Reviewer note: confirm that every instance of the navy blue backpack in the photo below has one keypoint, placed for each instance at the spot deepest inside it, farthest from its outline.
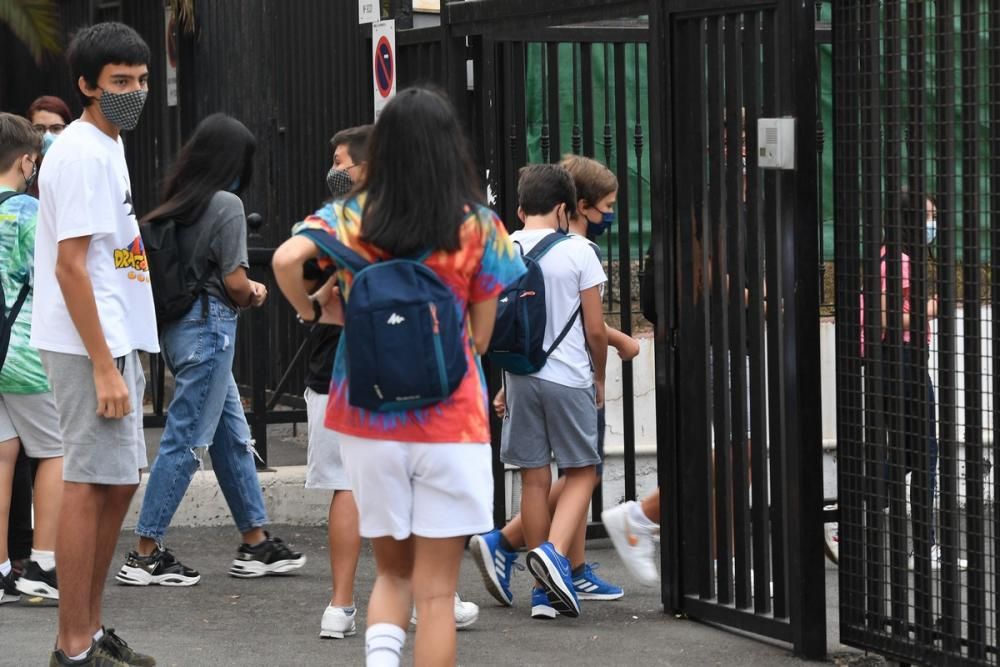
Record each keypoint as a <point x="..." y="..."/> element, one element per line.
<point x="404" y="335"/>
<point x="518" y="343"/>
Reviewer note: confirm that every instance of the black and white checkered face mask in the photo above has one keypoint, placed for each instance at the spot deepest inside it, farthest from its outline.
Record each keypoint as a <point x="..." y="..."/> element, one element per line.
<point x="123" y="109"/>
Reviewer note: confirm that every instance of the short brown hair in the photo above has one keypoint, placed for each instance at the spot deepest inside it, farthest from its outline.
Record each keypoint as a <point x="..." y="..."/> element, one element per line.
<point x="593" y="180"/>
<point x="356" y="140"/>
<point x="17" y="138"/>
<point x="51" y="104"/>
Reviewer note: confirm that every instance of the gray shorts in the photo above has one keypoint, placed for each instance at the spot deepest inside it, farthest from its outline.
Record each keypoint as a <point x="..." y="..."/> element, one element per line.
<point x="546" y="420"/>
<point x="97" y="450"/>
<point x="324" y="465"/>
<point x="31" y="418"/>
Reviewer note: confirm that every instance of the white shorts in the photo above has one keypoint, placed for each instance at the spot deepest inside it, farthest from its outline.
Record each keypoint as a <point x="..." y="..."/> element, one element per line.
<point x="324" y="467"/>
<point x="431" y="490"/>
<point x="32" y="418"/>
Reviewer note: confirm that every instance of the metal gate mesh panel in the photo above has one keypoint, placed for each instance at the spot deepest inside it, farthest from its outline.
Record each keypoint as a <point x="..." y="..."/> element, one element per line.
<point x="917" y="134"/>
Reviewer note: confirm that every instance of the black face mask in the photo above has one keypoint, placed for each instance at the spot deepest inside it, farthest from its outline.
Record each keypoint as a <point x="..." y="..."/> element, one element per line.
<point x="339" y="182"/>
<point x="30" y="180"/>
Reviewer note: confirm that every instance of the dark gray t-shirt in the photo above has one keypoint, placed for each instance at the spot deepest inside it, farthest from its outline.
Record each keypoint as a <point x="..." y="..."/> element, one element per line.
<point x="216" y="243"/>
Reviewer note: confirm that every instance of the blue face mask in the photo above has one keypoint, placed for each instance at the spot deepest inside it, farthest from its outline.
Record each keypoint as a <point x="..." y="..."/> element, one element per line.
<point x="47" y="140"/>
<point x="595" y="229"/>
<point x="931" y="230"/>
<point x="235" y="185"/>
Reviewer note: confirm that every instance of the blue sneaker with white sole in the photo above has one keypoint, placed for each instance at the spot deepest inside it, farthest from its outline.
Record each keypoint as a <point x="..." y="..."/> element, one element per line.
<point x="553" y="572"/>
<point x="540" y="607"/>
<point x="589" y="586"/>
<point x="495" y="564"/>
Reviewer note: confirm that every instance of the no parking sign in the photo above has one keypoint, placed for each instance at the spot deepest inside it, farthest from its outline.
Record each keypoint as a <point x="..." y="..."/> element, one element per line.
<point x="383" y="63"/>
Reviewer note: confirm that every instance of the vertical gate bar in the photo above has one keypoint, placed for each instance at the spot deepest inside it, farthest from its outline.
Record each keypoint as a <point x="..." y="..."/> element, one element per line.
<point x="587" y="96"/>
<point x="638" y="144"/>
<point x="551" y="52"/>
<point x="624" y="261"/>
<point x="775" y="335"/>
<point x="972" y="339"/>
<point x="544" y="141"/>
<point x="664" y="223"/>
<point x="993" y="217"/>
<point x="921" y="495"/>
<point x="948" y="526"/>
<point x="874" y="450"/>
<point x="508" y="195"/>
<point x="847" y="271"/>
<point x="577" y="136"/>
<point x="609" y="156"/>
<point x="736" y="217"/>
<point x="893" y="340"/>
<point x="759" y="484"/>
<point x="718" y="320"/>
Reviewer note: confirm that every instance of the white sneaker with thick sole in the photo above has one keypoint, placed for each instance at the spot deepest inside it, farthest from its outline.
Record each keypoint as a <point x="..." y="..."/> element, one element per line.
<point x="466" y="613"/>
<point x="635" y="544"/>
<point x="337" y="623"/>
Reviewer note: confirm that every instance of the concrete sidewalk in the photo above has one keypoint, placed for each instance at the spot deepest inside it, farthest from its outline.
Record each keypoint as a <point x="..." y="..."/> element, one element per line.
<point x="275" y="620"/>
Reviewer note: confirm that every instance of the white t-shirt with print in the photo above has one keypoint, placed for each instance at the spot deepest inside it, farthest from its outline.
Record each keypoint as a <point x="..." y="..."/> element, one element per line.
<point x="569" y="267"/>
<point x="84" y="190"/>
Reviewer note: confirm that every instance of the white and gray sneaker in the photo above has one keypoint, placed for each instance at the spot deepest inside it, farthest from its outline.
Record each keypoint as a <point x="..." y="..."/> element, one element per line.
<point x="635" y="543"/>
<point x="338" y="622"/>
<point x="272" y="556"/>
<point x="466" y="613"/>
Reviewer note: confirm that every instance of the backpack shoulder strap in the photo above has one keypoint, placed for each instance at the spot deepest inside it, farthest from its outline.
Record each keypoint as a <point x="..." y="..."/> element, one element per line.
<point x="10" y="194"/>
<point x="545" y="244"/>
<point x="337" y="250"/>
<point x="565" y="331"/>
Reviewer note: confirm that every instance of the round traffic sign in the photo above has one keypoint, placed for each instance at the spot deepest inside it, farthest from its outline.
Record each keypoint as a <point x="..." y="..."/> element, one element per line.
<point x="385" y="67"/>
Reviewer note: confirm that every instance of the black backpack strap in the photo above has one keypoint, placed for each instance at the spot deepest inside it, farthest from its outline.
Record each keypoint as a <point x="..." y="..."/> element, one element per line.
<point x="9" y="318"/>
<point x="545" y="244"/>
<point x="4" y="196"/>
<point x="562" y="334"/>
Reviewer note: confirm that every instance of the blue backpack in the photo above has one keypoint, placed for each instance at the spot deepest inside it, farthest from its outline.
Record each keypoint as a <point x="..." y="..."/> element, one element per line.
<point x="404" y="335"/>
<point x="518" y="343"/>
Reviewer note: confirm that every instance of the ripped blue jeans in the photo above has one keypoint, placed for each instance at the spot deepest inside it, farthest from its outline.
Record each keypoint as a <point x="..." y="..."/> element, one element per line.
<point x="205" y="413"/>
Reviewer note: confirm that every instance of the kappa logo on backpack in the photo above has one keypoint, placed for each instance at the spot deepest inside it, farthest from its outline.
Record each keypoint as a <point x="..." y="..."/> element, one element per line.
<point x="404" y="334"/>
<point x="9" y="316"/>
<point x="172" y="296"/>
<point x="518" y="343"/>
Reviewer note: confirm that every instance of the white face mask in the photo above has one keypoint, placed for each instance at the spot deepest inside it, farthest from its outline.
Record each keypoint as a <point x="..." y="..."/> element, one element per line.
<point x="931" y="230"/>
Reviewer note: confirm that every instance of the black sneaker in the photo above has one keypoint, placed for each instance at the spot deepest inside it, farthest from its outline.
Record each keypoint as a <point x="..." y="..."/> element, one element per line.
<point x="160" y="567"/>
<point x="36" y="582"/>
<point x="272" y="556"/>
<point x="115" y="646"/>
<point x="97" y="656"/>
<point x="8" y="590"/>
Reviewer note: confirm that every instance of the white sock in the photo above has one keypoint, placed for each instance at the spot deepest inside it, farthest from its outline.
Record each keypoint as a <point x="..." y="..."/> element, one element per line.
<point x="639" y="519"/>
<point x="383" y="645"/>
<point x="5" y="568"/>
<point x="99" y="634"/>
<point x="77" y="658"/>
<point x="45" y="559"/>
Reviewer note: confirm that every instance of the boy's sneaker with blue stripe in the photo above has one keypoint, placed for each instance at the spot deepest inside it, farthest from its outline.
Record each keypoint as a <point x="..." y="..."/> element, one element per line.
<point x="553" y="572"/>
<point x="495" y="564"/>
<point x="540" y="607"/>
<point x="589" y="586"/>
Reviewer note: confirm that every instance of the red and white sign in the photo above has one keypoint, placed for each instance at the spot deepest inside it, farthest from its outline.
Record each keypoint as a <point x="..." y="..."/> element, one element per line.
<point x="383" y="63"/>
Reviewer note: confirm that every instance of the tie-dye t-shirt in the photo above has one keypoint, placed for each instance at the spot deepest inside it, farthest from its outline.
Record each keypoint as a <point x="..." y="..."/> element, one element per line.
<point x="22" y="371"/>
<point x="486" y="263"/>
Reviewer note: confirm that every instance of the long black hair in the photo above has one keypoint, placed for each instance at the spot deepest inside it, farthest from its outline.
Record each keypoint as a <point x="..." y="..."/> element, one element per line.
<point x="218" y="154"/>
<point x="420" y="176"/>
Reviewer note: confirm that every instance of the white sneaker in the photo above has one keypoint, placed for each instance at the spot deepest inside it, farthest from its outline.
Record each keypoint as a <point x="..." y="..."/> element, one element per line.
<point x="635" y="544"/>
<point x="337" y="623"/>
<point x="937" y="559"/>
<point x="466" y="613"/>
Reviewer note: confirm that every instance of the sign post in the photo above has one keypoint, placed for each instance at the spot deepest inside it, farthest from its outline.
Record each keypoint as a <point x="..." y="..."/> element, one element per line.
<point x="383" y="63"/>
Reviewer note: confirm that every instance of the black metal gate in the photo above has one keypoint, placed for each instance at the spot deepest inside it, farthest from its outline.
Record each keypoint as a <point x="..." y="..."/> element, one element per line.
<point x="918" y="337"/>
<point x="745" y="457"/>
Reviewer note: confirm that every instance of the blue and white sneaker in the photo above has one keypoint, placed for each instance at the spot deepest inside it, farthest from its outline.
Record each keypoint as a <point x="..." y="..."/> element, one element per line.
<point x="495" y="564"/>
<point x="552" y="571"/>
<point x="540" y="607"/>
<point x="589" y="586"/>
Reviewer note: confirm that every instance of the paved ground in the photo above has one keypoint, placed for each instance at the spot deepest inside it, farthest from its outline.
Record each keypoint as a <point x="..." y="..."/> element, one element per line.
<point x="275" y="621"/>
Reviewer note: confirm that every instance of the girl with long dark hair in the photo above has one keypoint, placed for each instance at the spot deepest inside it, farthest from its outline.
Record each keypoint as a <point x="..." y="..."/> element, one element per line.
<point x="201" y="197"/>
<point x="422" y="478"/>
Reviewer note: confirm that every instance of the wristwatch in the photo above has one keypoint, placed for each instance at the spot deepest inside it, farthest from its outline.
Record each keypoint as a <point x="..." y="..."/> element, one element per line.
<point x="317" y="313"/>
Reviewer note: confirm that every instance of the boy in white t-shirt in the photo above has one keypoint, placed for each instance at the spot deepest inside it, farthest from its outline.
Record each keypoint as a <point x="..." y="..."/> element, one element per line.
<point x="93" y="314"/>
<point x="553" y="413"/>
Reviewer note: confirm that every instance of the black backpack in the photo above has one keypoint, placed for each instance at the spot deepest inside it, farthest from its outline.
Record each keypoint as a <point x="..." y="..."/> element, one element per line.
<point x="172" y="296"/>
<point x="9" y="316"/>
